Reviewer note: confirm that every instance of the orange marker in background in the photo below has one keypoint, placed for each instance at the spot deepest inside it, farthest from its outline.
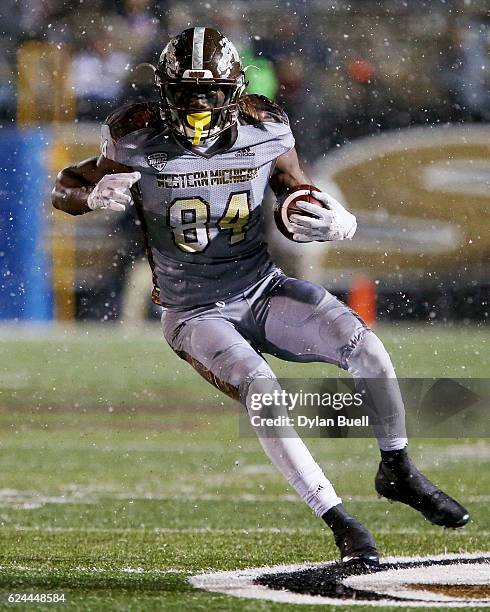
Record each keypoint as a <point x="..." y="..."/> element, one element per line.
<point x="362" y="298"/>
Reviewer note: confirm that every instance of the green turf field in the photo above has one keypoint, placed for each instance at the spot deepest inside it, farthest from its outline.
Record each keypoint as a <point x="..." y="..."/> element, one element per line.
<point x="122" y="473"/>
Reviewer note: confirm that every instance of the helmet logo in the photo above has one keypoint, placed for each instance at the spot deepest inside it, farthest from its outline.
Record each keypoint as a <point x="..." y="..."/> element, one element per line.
<point x="228" y="54"/>
<point x="169" y="56"/>
<point x="198" y="121"/>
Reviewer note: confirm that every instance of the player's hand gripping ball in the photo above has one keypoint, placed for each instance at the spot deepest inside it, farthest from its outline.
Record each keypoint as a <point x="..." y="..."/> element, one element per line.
<point x="307" y="214"/>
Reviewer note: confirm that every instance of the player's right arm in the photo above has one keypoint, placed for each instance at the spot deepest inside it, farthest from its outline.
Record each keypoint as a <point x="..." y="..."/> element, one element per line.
<point x="104" y="182"/>
<point x="93" y="184"/>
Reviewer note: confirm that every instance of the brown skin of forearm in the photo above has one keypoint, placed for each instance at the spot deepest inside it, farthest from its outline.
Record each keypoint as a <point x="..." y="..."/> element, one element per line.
<point x="287" y="173"/>
<point x="74" y="183"/>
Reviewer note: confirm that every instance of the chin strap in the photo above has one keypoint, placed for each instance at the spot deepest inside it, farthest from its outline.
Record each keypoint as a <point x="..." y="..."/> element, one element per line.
<point x="198" y="121"/>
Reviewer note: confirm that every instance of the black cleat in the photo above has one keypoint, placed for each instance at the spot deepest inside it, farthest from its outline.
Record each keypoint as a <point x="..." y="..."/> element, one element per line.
<point x="356" y="544"/>
<point x="399" y="480"/>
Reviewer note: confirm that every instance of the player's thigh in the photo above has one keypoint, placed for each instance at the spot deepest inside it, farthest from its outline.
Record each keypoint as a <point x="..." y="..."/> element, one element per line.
<point x="217" y="351"/>
<point x="307" y="323"/>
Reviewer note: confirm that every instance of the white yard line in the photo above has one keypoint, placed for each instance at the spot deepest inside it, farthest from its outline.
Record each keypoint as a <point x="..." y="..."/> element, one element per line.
<point x="176" y="530"/>
<point x="165" y="447"/>
<point x="100" y="570"/>
<point x="226" y="531"/>
<point x="32" y="500"/>
<point x="17" y="379"/>
<point x="94" y="494"/>
<point x="432" y="456"/>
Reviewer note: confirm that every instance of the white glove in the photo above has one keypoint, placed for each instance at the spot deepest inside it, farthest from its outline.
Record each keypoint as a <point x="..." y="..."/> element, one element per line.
<point x="331" y="223"/>
<point x="112" y="191"/>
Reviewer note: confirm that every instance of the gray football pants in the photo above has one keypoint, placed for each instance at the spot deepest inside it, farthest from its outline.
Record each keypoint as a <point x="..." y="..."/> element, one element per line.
<point x="294" y="320"/>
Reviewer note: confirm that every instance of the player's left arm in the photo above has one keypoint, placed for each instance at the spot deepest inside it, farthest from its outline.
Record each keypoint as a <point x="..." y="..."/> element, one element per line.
<point x="333" y="222"/>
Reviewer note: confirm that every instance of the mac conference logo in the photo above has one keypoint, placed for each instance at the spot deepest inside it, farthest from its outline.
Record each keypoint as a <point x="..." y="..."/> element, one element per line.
<point x="158" y="161"/>
<point x="445" y="581"/>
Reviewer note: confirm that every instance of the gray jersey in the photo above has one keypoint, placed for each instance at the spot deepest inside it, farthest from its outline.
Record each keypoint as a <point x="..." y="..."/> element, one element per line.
<point x="201" y="211"/>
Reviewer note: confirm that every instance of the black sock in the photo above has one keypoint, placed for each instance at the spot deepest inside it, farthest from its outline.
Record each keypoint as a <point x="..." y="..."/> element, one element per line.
<point x="395" y="456"/>
<point x="337" y="517"/>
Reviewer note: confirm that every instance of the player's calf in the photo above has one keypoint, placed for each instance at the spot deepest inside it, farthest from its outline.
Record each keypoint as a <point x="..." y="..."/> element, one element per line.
<point x="399" y="480"/>
<point x="370" y="364"/>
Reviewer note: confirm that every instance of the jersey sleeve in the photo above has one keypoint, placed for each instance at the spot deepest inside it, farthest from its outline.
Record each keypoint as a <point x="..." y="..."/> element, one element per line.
<point x="264" y="113"/>
<point x="121" y="124"/>
<point x="282" y="136"/>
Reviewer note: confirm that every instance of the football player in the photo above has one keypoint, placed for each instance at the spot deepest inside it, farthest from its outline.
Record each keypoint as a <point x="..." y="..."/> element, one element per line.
<point x="196" y="165"/>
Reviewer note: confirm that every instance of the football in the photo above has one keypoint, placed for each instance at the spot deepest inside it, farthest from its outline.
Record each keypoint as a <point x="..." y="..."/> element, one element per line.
<point x="287" y="206"/>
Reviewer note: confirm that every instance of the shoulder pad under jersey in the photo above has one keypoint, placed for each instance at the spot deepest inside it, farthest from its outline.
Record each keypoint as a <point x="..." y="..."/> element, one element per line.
<point x="259" y="109"/>
<point x="132" y="117"/>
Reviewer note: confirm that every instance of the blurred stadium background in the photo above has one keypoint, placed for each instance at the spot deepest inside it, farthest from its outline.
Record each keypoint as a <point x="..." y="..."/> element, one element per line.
<point x="355" y="79"/>
<point x="106" y="463"/>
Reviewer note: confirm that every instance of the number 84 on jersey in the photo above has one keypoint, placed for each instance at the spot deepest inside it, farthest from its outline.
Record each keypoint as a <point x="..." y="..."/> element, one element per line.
<point x="190" y="221"/>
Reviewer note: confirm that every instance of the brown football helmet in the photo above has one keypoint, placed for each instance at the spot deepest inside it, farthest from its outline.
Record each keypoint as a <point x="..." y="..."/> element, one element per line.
<point x="200" y="79"/>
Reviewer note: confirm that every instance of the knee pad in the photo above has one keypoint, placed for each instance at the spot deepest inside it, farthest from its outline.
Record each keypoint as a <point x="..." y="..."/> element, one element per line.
<point x="260" y="380"/>
<point x="369" y="358"/>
